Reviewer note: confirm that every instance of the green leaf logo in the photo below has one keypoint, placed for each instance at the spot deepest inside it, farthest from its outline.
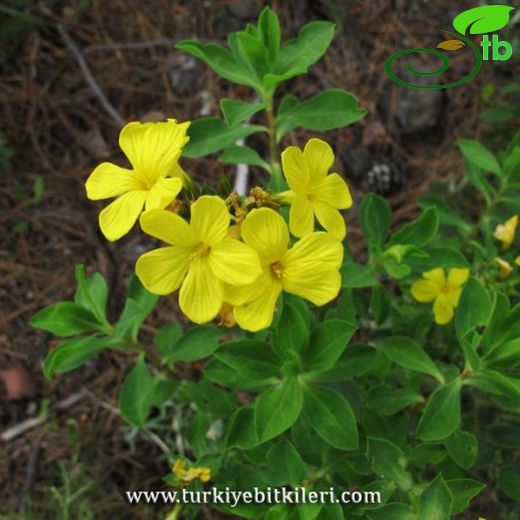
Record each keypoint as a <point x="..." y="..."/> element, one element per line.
<point x="481" y="20"/>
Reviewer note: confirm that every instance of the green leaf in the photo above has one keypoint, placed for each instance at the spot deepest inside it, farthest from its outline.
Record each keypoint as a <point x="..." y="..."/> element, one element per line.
<point x="210" y="134"/>
<point x="328" y="110"/>
<point x="236" y="112"/>
<point x="356" y="361"/>
<point x="462" y="491"/>
<point x="478" y="178"/>
<point x="250" y="358"/>
<point x="462" y="448"/>
<point x="388" y="462"/>
<point x="441" y="416"/>
<point x="477" y="154"/>
<point x="380" y="304"/>
<point x="496" y="115"/>
<point x="228" y="377"/>
<point x="420" y="231"/>
<point x="219" y="59"/>
<point x="242" y="431"/>
<point x="509" y="484"/>
<point x="269" y="32"/>
<point x="328" y="341"/>
<point x="92" y="293"/>
<point x="166" y="338"/>
<point x="65" y="319"/>
<point x="291" y="334"/>
<point x="354" y="275"/>
<point x="331" y="417"/>
<point x="505" y="356"/>
<point x="236" y="154"/>
<point x="252" y="53"/>
<point x="474" y="308"/>
<point x="484" y="19"/>
<point x="313" y="40"/>
<point x="387" y="402"/>
<point x="277" y="409"/>
<point x="197" y="343"/>
<point x="375" y="215"/>
<point x="138" y="306"/>
<point x="285" y="465"/>
<point x="495" y="383"/>
<point x="409" y="354"/>
<point x="136" y="395"/>
<point x="438" y="257"/>
<point x="436" y="501"/>
<point x="73" y="353"/>
<point x="289" y="101"/>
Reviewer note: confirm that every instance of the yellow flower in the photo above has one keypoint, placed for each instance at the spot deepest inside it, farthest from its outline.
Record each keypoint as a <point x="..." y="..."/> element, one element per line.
<point x="199" y="260"/>
<point x="310" y="269"/>
<point x="189" y="475"/>
<point x="517" y="260"/>
<point x="153" y="150"/>
<point x="313" y="192"/>
<point x="444" y="293"/>
<point x="505" y="233"/>
<point x="504" y="267"/>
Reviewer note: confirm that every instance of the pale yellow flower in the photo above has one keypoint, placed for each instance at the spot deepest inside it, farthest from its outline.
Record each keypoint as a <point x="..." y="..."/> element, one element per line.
<point x="309" y="269"/>
<point x="504" y="267"/>
<point x="314" y="193"/>
<point x="505" y="233"/>
<point x="153" y="150"/>
<point x="443" y="292"/>
<point x="199" y="259"/>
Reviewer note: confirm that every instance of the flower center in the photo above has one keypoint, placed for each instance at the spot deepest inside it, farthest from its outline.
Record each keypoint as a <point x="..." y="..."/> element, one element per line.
<point x="276" y="269"/>
<point x="445" y="289"/>
<point x="204" y="250"/>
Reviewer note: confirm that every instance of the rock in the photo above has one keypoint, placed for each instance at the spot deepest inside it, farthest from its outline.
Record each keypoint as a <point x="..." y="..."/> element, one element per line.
<point x="417" y="110"/>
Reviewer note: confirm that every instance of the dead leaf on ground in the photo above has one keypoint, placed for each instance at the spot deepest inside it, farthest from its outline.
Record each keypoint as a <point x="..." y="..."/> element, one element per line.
<point x="18" y="383"/>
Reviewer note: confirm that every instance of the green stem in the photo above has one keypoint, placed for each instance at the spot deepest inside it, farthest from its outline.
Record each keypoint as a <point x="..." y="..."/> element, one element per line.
<point x="154" y="357"/>
<point x="271" y="128"/>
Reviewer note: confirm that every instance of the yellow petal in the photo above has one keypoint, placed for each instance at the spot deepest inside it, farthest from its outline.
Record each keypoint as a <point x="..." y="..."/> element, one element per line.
<point x="319" y="157"/>
<point x="109" y="180"/>
<point x="234" y="262"/>
<point x="442" y="309"/>
<point x="154" y="148"/>
<point x="505" y="268"/>
<point x="162" y="270"/>
<point x="457" y="277"/>
<point x="454" y="296"/>
<point x="436" y="276"/>
<point x="301" y="216"/>
<point x="517" y="260"/>
<point x="200" y="297"/>
<point x="319" y="247"/>
<point x="317" y="282"/>
<point x="169" y="228"/>
<point x="506" y="232"/>
<point x="258" y="314"/>
<point x="424" y="290"/>
<point x="163" y="192"/>
<point x="334" y="192"/>
<point x="210" y="219"/>
<point x="295" y="168"/>
<point x="266" y="232"/>
<point x="119" y="216"/>
<point x="238" y="295"/>
<point x="285" y="197"/>
<point x="331" y="219"/>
